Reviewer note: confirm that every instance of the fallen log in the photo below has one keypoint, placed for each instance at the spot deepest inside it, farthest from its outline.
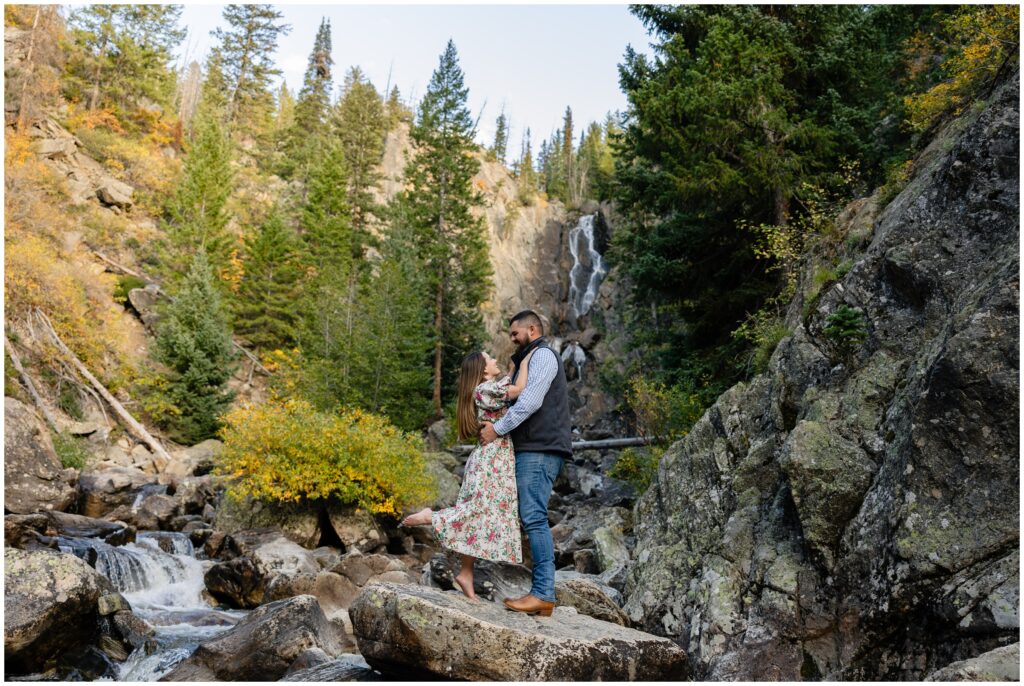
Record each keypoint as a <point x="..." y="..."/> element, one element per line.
<point x="27" y="380"/>
<point x="578" y="445"/>
<point x="160" y="456"/>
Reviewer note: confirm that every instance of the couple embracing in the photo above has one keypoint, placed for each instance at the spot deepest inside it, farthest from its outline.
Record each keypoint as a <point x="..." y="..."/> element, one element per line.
<point x="522" y="421"/>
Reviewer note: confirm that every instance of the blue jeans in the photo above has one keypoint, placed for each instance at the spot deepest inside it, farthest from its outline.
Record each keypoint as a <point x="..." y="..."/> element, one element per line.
<point x="535" y="475"/>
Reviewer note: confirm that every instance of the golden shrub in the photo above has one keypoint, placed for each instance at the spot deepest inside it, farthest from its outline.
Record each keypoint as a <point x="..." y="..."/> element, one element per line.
<point x="285" y="450"/>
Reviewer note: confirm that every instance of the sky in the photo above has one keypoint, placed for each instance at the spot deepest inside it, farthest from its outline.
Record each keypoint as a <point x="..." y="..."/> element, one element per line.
<point x="531" y="60"/>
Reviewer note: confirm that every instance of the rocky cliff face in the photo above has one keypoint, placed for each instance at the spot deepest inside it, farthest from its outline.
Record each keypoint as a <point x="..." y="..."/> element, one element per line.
<point x="534" y="250"/>
<point x="853" y="514"/>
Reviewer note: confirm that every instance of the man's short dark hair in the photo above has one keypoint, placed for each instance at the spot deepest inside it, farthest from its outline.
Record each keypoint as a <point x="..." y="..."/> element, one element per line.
<point x="528" y="317"/>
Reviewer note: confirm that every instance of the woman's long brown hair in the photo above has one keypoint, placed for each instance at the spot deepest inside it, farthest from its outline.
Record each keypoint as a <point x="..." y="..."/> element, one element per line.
<point x="470" y="375"/>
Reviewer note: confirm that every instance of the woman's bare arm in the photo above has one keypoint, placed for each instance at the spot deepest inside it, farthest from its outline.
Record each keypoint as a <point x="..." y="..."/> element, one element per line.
<point x="522" y="379"/>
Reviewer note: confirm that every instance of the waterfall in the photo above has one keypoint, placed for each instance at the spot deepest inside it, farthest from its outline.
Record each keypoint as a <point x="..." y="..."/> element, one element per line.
<point x="588" y="268"/>
<point x="161" y="578"/>
<point x="575" y="353"/>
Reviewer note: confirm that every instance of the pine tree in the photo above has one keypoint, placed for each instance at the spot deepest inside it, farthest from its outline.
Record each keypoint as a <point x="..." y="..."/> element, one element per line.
<point x="500" y="138"/>
<point x="438" y="203"/>
<point x="120" y="54"/>
<point x="310" y="124"/>
<point x="395" y="109"/>
<point x="264" y="311"/>
<point x="568" y="160"/>
<point x="213" y="101"/>
<point x="326" y="216"/>
<point x="360" y="126"/>
<point x="196" y="218"/>
<point x="247" y="49"/>
<point x="526" y="175"/>
<point x="194" y="340"/>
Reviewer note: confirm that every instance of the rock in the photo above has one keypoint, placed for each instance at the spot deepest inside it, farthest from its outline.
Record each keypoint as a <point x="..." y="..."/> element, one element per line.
<point x="828" y="475"/>
<point x="356" y="529"/>
<point x="50" y="607"/>
<point x="345" y="668"/>
<point x="359" y="568"/>
<point x="144" y="302"/>
<point x="80" y="526"/>
<point x="156" y="511"/>
<point x="262" y="645"/>
<point x="1000" y="664"/>
<point x="133" y="629"/>
<point x="196" y="460"/>
<point x="588" y="599"/>
<point x="416" y="630"/>
<point x="28" y="532"/>
<point x="239" y="583"/>
<point x="440" y="466"/>
<point x="576" y="531"/>
<point x="194" y="493"/>
<point x="585" y="561"/>
<point x="109" y="603"/>
<point x="610" y="547"/>
<point x="300" y="522"/>
<point x="492" y="581"/>
<point x="115" y="193"/>
<point x="103" y="491"/>
<point x="33" y="479"/>
<point x="314" y="657"/>
<point x="437" y="435"/>
<point x="854" y="514"/>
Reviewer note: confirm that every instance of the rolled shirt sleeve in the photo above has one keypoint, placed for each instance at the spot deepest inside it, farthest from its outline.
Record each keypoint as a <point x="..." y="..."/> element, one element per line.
<point x="542" y="370"/>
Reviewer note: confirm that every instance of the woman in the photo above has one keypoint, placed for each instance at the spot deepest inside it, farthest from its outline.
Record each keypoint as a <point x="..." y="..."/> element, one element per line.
<point x="484" y="522"/>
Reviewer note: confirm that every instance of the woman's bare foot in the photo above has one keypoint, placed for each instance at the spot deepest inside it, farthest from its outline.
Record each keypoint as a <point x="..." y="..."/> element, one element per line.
<point x="421" y="517"/>
<point x="465" y="582"/>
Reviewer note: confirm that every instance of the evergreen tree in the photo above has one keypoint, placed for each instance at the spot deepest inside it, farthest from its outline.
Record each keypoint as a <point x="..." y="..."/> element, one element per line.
<point x="360" y="126"/>
<point x="568" y="161"/>
<point x="194" y="340"/>
<point x="120" y="54"/>
<point x="395" y="109"/>
<point x="500" y="138"/>
<point x="213" y="101"/>
<point x="196" y="218"/>
<point x="310" y="123"/>
<point x="265" y="312"/>
<point x="449" y="238"/>
<point x="739" y="109"/>
<point x="326" y="216"/>
<point x="526" y="175"/>
<point x="247" y="50"/>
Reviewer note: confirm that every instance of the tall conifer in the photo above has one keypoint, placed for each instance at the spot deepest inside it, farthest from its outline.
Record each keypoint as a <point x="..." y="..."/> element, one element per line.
<point x="438" y="203"/>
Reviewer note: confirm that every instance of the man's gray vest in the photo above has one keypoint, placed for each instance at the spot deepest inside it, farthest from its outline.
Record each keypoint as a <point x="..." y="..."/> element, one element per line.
<point x="549" y="429"/>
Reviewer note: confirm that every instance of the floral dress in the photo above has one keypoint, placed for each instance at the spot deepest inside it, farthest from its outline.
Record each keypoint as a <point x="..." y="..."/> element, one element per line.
<point x="484" y="522"/>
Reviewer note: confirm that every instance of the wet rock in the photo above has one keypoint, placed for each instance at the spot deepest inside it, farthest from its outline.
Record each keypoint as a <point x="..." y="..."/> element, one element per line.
<point x="101" y="492"/>
<point x="33" y="478"/>
<point x="262" y="645"/>
<point x="416" y="630"/>
<point x="156" y="512"/>
<point x="239" y="583"/>
<point x="50" y="607"/>
<point x="109" y="603"/>
<point x="300" y="522"/>
<point x="28" y="532"/>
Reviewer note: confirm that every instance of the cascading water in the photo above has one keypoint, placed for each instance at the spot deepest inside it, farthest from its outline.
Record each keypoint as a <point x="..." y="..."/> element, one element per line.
<point x="161" y="578"/>
<point x="588" y="268"/>
<point x="574" y="353"/>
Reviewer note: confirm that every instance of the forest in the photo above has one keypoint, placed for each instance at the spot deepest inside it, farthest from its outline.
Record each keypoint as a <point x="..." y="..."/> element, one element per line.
<point x="745" y="134"/>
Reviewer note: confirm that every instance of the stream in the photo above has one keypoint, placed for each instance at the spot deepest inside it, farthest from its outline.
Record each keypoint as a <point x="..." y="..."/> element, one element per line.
<point x="161" y="577"/>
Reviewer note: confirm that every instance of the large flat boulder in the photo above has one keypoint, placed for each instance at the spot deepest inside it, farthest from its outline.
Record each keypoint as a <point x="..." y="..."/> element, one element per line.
<point x="1001" y="664"/>
<point x="263" y="645"/>
<point x="33" y="475"/>
<point x="50" y="607"/>
<point x="430" y="633"/>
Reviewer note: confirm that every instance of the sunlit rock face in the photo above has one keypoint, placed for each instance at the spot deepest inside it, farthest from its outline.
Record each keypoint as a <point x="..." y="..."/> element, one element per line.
<point x="854" y="514"/>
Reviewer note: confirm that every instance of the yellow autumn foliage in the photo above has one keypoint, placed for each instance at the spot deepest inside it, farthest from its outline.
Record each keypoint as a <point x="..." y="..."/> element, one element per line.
<point x="285" y="450"/>
<point x="980" y="42"/>
<point x="39" y="271"/>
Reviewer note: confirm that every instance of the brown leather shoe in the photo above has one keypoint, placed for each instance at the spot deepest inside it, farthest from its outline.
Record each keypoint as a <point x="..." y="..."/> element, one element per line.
<point x="531" y="605"/>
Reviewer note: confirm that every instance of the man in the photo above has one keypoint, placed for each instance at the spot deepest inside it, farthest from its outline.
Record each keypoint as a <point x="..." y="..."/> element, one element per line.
<point x="538" y="422"/>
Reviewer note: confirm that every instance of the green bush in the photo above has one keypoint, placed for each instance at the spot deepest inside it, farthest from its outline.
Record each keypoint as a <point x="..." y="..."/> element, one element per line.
<point x="637" y="466"/>
<point x="71" y="450"/>
<point x="69" y="402"/>
<point x="287" y="451"/>
<point x="126" y="284"/>
<point x="846" y="327"/>
<point x="663" y="413"/>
